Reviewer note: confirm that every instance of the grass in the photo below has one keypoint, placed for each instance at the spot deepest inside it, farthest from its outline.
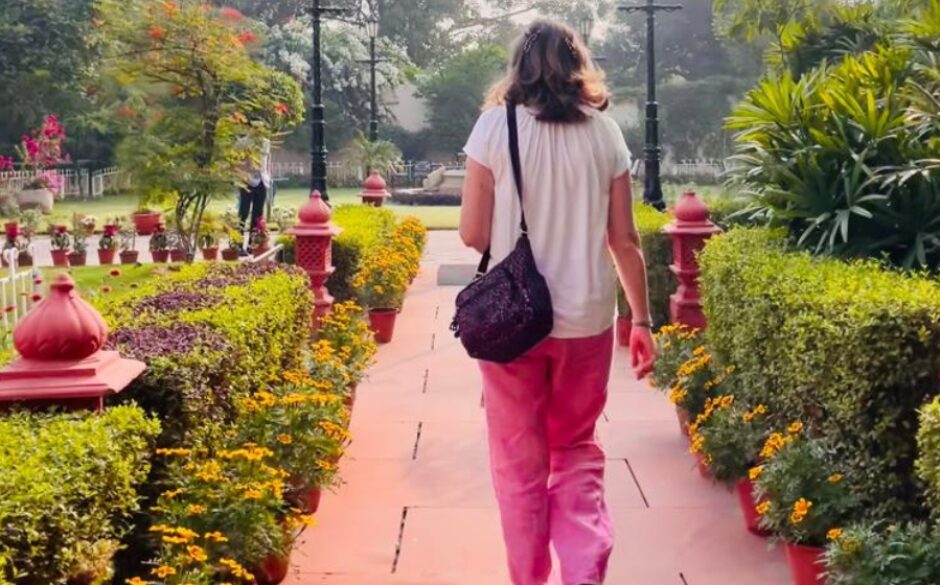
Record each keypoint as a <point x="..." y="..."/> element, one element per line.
<point x="434" y="217"/>
<point x="92" y="280"/>
<point x="122" y="205"/>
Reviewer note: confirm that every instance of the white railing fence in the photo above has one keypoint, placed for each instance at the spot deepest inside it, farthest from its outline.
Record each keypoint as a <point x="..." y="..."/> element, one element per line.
<point x="341" y="174"/>
<point x="16" y="291"/>
<point x="76" y="183"/>
<point x="686" y="170"/>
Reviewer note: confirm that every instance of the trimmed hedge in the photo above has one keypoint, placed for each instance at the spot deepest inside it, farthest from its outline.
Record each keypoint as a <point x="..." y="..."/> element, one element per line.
<point x="364" y="227"/>
<point x="928" y="465"/>
<point x="657" y="249"/>
<point x="853" y="349"/>
<point x="68" y="485"/>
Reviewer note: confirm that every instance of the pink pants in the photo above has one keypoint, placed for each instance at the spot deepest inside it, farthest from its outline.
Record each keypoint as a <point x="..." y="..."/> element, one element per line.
<point x="548" y="467"/>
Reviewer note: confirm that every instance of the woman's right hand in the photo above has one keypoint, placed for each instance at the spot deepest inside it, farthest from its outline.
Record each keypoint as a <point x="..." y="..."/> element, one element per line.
<point x="642" y="351"/>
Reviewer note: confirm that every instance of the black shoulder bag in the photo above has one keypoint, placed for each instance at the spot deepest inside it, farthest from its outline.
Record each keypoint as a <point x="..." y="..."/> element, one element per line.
<point x="507" y="311"/>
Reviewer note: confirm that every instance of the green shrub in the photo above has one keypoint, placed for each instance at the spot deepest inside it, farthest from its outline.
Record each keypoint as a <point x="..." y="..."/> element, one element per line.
<point x="852" y="349"/>
<point x="657" y="249"/>
<point x="928" y="464"/>
<point x="884" y="555"/>
<point x="364" y="227"/>
<point x="69" y="488"/>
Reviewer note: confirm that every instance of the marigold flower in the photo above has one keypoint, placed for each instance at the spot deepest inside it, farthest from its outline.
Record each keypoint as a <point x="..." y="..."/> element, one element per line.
<point x="156" y="33"/>
<point x="834" y="534"/>
<point x="762" y="508"/>
<point x="197" y="553"/>
<point x="795" y="428"/>
<point x="755" y="472"/>
<point x="135" y="581"/>
<point x="163" y="571"/>
<point x="215" y="537"/>
<point x="800" y="509"/>
<point x="196" y="509"/>
<point x="835" y="478"/>
<point x="285" y="439"/>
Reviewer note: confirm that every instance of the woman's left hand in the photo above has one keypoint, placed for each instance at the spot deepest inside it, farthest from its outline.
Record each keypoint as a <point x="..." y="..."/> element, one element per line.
<point x="642" y="351"/>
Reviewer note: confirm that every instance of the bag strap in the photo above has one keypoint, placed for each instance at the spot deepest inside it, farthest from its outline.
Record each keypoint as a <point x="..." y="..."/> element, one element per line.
<point x="516" y="161"/>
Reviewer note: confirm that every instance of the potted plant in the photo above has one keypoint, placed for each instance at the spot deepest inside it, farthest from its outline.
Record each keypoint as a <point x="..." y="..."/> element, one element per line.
<point x="79" y="254"/>
<point x="346" y="329"/>
<point x="29" y="226"/>
<point x="11" y="245"/>
<point x="730" y="439"/>
<point x="884" y="553"/>
<point x="146" y="220"/>
<point x="159" y="244"/>
<point x="61" y="243"/>
<point x="40" y="152"/>
<point x="177" y="252"/>
<point x="128" y="236"/>
<point x="208" y="237"/>
<point x="376" y="157"/>
<point x="677" y="344"/>
<point x="88" y="223"/>
<point x="107" y="244"/>
<point x="260" y="241"/>
<point x="381" y="282"/>
<point x="804" y="500"/>
<point x="234" y="248"/>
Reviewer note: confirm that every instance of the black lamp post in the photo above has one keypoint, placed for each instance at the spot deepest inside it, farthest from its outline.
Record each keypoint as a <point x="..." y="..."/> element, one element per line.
<point x="372" y="29"/>
<point x="585" y="28"/>
<point x="653" y="188"/>
<point x="318" y="152"/>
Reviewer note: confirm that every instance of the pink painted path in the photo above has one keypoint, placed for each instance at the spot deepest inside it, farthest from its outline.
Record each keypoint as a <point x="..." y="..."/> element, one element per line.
<point x="417" y="506"/>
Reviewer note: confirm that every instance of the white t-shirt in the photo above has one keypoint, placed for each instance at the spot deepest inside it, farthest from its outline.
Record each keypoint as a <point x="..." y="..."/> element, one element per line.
<point x="567" y="170"/>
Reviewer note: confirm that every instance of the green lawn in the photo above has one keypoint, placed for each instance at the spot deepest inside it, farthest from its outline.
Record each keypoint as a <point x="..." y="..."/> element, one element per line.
<point x="92" y="280"/>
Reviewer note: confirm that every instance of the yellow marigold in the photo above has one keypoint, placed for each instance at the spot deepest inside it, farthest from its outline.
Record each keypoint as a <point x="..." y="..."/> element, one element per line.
<point x="800" y="509"/>
<point x="834" y="534"/>
<point x="135" y="581"/>
<point x="172" y="493"/>
<point x="285" y="439"/>
<point x="195" y="509"/>
<point x="163" y="571"/>
<point x="174" y="452"/>
<point x="197" y="553"/>
<point x="698" y="443"/>
<point x="174" y="539"/>
<point x="760" y="410"/>
<point x="215" y="536"/>
<point x="755" y="472"/>
<point x="835" y="478"/>
<point x="762" y="508"/>
<point x="253" y="494"/>
<point x="795" y="428"/>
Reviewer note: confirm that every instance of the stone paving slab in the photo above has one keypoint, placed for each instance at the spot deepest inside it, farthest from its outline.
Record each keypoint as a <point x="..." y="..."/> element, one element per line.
<point x="418" y="508"/>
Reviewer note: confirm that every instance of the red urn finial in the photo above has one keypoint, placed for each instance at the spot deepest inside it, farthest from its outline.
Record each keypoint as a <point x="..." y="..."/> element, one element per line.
<point x="691" y="209"/>
<point x="375" y="182"/>
<point x="315" y="211"/>
<point x="62" y="327"/>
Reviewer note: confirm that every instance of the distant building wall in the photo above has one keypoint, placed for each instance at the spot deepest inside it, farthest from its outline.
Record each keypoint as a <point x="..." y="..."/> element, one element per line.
<point x="410" y="110"/>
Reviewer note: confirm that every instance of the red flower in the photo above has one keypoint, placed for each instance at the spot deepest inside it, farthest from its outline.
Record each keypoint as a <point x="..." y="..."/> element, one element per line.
<point x="125" y="111"/>
<point x="9" y="308"/>
<point x="229" y="13"/>
<point x="115" y="273"/>
<point x="61" y="229"/>
<point x="37" y="281"/>
<point x="247" y="37"/>
<point x="36" y="297"/>
<point x="281" y="109"/>
<point x="156" y="33"/>
<point x="106" y="289"/>
<point x="6" y="163"/>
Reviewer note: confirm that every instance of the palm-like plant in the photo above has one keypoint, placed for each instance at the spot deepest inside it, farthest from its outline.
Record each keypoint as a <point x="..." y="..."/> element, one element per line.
<point x="379" y="155"/>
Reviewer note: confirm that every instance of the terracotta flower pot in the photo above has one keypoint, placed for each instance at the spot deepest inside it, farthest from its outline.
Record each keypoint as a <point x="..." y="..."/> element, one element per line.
<point x="78" y="258"/>
<point x="382" y="323"/>
<point x="703" y="469"/>
<point x="25" y="259"/>
<point x="160" y="256"/>
<point x="350" y="399"/>
<point x="230" y="254"/>
<point x="146" y="223"/>
<point x="60" y="258"/>
<point x="129" y="256"/>
<point x="624" y="328"/>
<point x="177" y="255"/>
<point x="685" y="419"/>
<point x="260" y="250"/>
<point x="806" y="564"/>
<point x="745" y="492"/>
<point x="106" y="256"/>
<point x="273" y="569"/>
<point x="210" y="254"/>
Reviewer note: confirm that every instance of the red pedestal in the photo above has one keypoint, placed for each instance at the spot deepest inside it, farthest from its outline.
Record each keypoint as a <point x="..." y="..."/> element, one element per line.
<point x="62" y="363"/>
<point x="374" y="190"/>
<point x="314" y="233"/>
<point x="689" y="232"/>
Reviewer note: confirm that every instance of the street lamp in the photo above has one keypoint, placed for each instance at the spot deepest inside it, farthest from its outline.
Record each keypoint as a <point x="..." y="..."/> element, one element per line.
<point x="372" y="29"/>
<point x="318" y="152"/>
<point x="586" y="27"/>
<point x="653" y="188"/>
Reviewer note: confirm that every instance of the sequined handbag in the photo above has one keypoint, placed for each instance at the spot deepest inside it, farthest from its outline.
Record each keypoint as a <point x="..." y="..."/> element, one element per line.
<point x="506" y="311"/>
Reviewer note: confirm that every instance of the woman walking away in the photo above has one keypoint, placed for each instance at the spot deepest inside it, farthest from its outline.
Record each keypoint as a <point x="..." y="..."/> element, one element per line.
<point x="542" y="408"/>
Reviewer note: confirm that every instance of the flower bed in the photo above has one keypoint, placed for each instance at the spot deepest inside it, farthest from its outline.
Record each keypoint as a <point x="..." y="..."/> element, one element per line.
<point x="364" y="228"/>
<point x="69" y="488"/>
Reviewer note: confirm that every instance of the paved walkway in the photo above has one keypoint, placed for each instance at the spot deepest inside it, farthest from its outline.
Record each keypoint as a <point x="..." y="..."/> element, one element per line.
<point x="417" y="507"/>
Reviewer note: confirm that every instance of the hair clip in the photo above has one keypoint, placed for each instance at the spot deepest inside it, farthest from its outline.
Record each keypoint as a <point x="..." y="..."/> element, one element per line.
<point x="571" y="47"/>
<point x="531" y="37"/>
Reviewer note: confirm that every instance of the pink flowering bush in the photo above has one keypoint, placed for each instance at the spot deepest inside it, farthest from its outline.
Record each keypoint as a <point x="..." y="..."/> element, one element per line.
<point x="41" y="151"/>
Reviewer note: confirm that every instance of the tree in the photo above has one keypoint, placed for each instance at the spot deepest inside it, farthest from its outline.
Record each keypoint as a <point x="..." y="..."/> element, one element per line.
<point x="209" y="104"/>
<point x="48" y="49"/>
<point x="455" y="93"/>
